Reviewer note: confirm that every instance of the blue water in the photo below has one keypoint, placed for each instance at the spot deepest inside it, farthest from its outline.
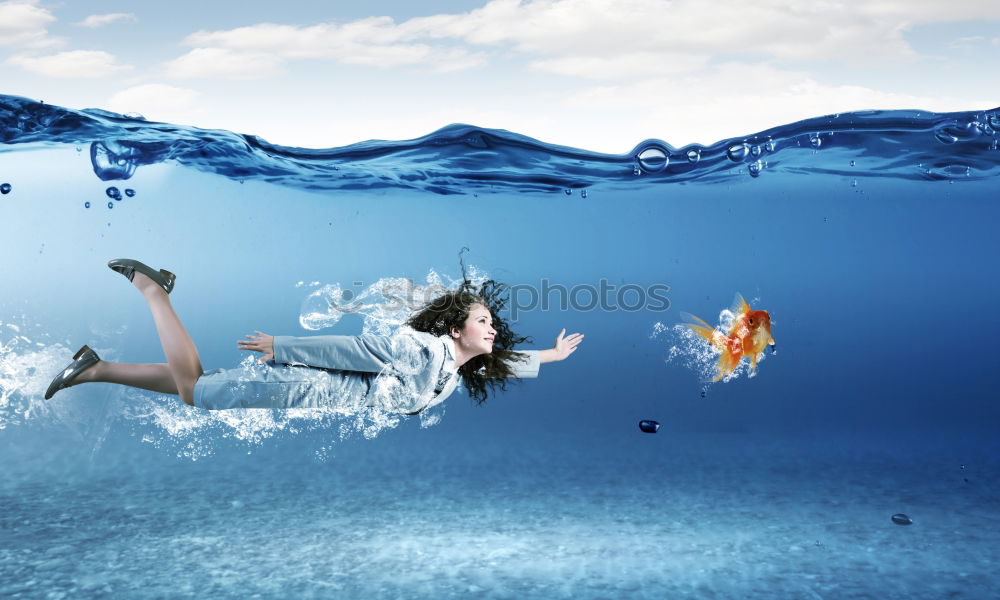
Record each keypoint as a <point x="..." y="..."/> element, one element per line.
<point x="869" y="237"/>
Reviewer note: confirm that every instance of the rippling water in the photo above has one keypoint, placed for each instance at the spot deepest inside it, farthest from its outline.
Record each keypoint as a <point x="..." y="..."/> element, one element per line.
<point x="869" y="237"/>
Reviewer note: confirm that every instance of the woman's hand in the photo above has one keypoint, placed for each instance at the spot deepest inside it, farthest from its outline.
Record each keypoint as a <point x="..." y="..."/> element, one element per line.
<point x="261" y="342"/>
<point x="563" y="348"/>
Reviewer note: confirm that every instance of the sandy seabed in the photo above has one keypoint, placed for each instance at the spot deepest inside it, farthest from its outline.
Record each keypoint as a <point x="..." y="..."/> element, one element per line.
<point x="708" y="518"/>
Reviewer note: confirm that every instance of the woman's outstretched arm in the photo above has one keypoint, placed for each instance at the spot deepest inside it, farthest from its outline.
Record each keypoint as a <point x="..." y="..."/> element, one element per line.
<point x="563" y="348"/>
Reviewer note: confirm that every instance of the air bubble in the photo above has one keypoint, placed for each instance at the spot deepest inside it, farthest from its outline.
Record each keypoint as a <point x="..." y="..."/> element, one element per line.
<point x="901" y="519"/>
<point x="815" y="140"/>
<point x="854" y="183"/>
<point x="636" y="170"/>
<point x="653" y="159"/>
<point x="86" y="204"/>
<point x="853" y="163"/>
<point x="569" y="192"/>
<point x="583" y="193"/>
<point x="755" y="150"/>
<point x="5" y="188"/>
<point x="648" y="426"/>
<point x="946" y="138"/>
<point x="737" y="152"/>
<point x="111" y="204"/>
<point x="755" y="168"/>
<point x="694" y="155"/>
<point x="113" y="193"/>
<point x="112" y="160"/>
<point x="769" y="146"/>
<point x="129" y="192"/>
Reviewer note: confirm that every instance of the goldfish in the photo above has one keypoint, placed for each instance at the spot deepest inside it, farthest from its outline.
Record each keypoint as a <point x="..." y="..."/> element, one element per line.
<point x="748" y="336"/>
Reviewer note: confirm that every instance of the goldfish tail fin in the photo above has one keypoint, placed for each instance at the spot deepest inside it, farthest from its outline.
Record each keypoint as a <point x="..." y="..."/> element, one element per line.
<point x="703" y="329"/>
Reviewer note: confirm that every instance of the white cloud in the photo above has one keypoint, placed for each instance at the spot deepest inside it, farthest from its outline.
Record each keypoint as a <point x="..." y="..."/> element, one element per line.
<point x="594" y="39"/>
<point x="22" y="24"/>
<point x="631" y="65"/>
<point x="599" y="28"/>
<point x="94" y="21"/>
<point x="224" y="63"/>
<point x="260" y="50"/>
<point x="155" y="101"/>
<point x="701" y="106"/>
<point x="82" y="64"/>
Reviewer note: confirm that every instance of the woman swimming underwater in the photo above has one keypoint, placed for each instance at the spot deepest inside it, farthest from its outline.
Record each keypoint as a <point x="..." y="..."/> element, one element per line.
<point x="457" y="336"/>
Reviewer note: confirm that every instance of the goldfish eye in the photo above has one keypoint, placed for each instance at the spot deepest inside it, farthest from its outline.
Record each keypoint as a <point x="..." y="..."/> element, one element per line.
<point x="751" y="320"/>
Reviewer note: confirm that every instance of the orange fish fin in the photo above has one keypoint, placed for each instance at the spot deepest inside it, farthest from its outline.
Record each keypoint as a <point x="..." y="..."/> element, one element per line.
<point x="753" y="362"/>
<point x="739" y="306"/>
<point x="727" y="364"/>
<point x="702" y="328"/>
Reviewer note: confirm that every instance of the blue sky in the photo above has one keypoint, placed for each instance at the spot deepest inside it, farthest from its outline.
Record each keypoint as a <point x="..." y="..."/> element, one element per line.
<point x="596" y="74"/>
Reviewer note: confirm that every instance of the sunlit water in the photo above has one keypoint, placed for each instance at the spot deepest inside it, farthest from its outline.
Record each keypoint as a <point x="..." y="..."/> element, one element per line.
<point x="870" y="239"/>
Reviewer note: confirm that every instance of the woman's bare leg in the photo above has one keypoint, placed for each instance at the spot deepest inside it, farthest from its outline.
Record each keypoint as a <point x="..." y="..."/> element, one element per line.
<point x="182" y="355"/>
<point x="152" y="377"/>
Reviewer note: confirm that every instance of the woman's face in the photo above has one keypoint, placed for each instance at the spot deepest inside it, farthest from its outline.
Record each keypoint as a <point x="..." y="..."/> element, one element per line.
<point x="477" y="333"/>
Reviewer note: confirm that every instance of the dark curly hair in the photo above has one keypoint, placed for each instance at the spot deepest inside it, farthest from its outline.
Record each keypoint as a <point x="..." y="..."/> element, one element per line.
<point x="486" y="373"/>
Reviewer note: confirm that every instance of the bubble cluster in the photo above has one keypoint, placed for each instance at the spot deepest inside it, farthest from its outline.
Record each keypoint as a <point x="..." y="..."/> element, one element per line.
<point x="755" y="168"/>
<point x="385" y="304"/>
<point x="697" y="354"/>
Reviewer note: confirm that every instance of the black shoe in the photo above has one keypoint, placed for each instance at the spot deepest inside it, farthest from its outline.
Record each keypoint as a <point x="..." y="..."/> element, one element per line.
<point x="82" y="360"/>
<point x="128" y="267"/>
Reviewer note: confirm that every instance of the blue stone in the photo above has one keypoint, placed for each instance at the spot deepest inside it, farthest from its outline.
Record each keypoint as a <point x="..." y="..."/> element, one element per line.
<point x="649" y="426"/>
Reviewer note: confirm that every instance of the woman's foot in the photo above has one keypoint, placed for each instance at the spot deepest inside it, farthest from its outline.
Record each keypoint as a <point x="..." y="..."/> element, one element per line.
<point x="146" y="285"/>
<point x="83" y="361"/>
<point x="142" y="275"/>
